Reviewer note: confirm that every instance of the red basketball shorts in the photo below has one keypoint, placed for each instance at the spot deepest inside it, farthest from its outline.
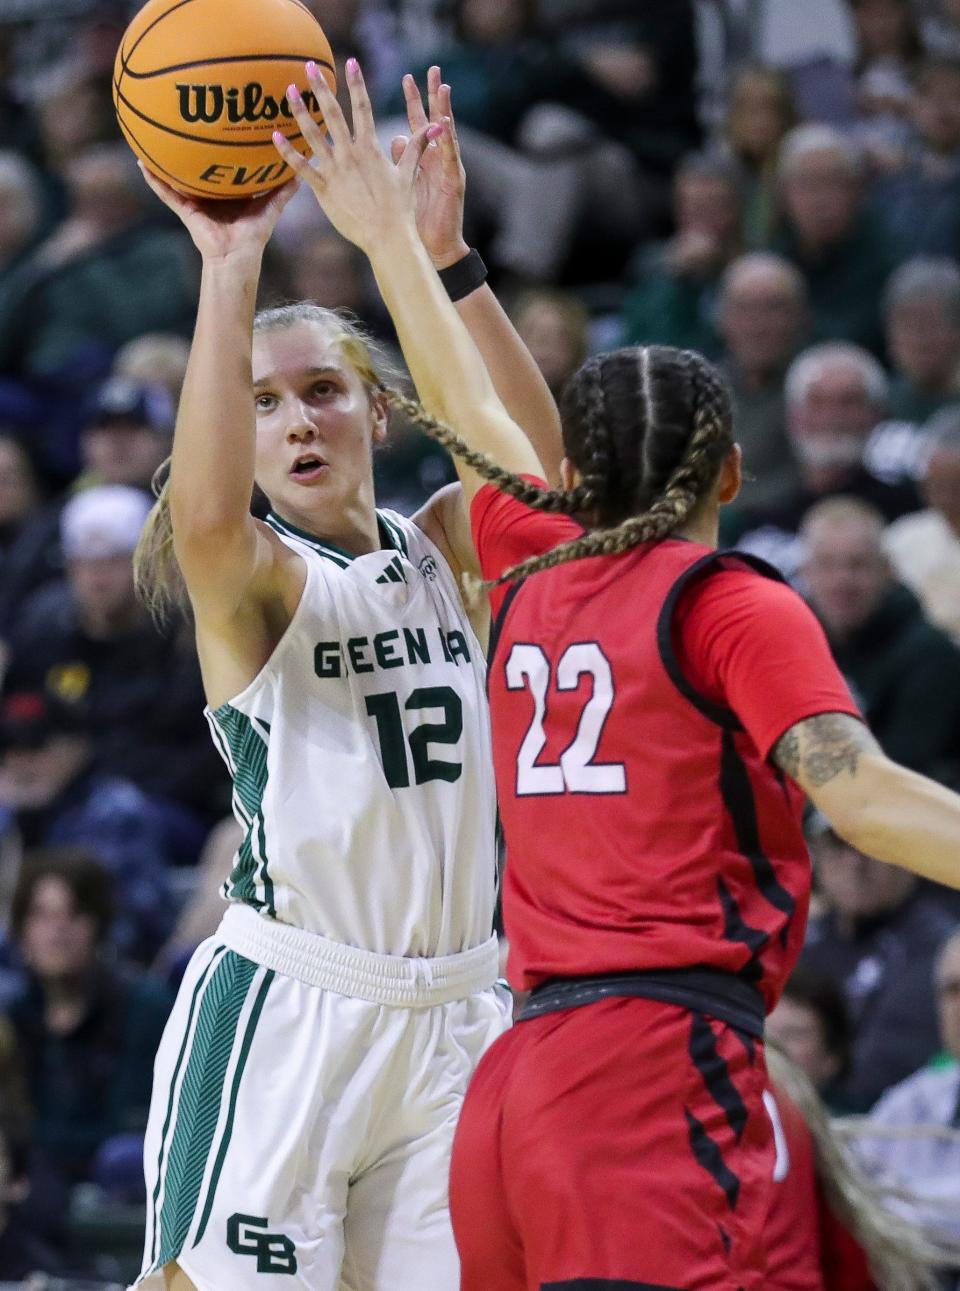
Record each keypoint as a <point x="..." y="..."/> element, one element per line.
<point x="619" y="1145"/>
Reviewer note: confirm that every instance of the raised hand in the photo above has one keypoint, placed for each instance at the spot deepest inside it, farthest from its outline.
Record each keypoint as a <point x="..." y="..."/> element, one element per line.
<point x="219" y="229"/>
<point x="440" y="181"/>
<point x="363" y="194"/>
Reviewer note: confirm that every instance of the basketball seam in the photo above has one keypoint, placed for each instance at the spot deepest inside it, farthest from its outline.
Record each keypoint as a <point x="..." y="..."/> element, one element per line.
<point x="147" y="30"/>
<point x="180" y="183"/>
<point x="124" y="57"/>
<point x="231" y="58"/>
<point x="194" y="138"/>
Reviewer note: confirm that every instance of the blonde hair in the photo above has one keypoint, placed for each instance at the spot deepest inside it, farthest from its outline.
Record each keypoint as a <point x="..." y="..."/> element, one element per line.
<point x="901" y="1258"/>
<point x="157" y="575"/>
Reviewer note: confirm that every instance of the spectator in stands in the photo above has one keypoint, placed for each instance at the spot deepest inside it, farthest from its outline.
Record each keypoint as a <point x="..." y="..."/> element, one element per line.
<point x="22" y="1250"/>
<point x="647" y="57"/>
<point x="904" y="671"/>
<point x="760" y="113"/>
<point x="940" y="28"/>
<point x="922" y="1164"/>
<point x="559" y="142"/>
<point x="21" y="209"/>
<point x="922" y="308"/>
<point x="105" y="275"/>
<point x="128" y="435"/>
<point x="924" y="548"/>
<point x="836" y="395"/>
<point x="919" y="201"/>
<point x="125" y="435"/>
<point x="811" y="1025"/>
<point x="762" y="316"/>
<point x="87" y="1029"/>
<point x="328" y="270"/>
<point x="673" y="299"/>
<point x="90" y="642"/>
<point x="877" y="936"/>
<point x="554" y="327"/>
<point x="158" y="359"/>
<point x="51" y="796"/>
<point x="888" y="51"/>
<point x="72" y="114"/>
<point x="842" y="249"/>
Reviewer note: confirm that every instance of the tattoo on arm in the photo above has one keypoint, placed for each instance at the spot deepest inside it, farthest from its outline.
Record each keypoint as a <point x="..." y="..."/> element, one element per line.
<point x="817" y="750"/>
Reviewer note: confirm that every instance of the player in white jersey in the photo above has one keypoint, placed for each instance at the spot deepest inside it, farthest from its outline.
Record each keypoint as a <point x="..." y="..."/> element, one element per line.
<point x="309" y="1081"/>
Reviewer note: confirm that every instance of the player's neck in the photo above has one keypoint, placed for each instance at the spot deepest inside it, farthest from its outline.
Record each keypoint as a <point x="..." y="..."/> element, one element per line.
<point x="703" y="527"/>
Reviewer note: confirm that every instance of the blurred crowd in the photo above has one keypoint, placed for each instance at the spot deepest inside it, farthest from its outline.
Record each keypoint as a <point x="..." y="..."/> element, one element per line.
<point x="776" y="185"/>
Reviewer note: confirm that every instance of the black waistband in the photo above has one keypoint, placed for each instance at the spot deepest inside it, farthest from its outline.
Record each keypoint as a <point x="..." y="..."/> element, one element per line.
<point x="719" y="994"/>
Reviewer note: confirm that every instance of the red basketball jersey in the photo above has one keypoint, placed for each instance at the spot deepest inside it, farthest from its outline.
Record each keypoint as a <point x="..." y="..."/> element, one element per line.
<point x="635" y="700"/>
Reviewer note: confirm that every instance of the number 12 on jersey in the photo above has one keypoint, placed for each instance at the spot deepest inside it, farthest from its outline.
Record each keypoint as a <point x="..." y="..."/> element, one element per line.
<point x="576" y="771"/>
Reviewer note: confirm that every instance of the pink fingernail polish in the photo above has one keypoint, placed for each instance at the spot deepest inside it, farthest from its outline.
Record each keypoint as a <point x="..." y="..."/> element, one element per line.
<point x="353" y="67"/>
<point x="293" y="94"/>
<point x="434" y="132"/>
<point x="312" y="68"/>
<point x="278" y="136"/>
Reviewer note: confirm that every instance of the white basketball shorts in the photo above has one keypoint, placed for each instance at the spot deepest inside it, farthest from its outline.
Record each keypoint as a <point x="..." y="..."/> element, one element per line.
<point x="299" y="1135"/>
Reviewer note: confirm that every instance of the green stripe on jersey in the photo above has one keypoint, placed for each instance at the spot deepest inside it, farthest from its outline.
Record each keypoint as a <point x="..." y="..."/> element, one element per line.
<point x="169" y="1113"/>
<point x="198" y="1106"/>
<point x="391" y="535"/>
<point x="395" y="532"/>
<point x="333" y="553"/>
<point x="246" y="755"/>
<point x="247" y="1041"/>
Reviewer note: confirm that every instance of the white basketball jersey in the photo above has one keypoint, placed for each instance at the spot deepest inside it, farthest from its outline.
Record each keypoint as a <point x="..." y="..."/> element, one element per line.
<point x="361" y="759"/>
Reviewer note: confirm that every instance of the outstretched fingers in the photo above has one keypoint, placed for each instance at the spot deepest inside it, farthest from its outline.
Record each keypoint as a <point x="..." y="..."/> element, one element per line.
<point x="416" y="116"/>
<point x="433" y="92"/>
<point x="449" y="150"/>
<point x="364" y="126"/>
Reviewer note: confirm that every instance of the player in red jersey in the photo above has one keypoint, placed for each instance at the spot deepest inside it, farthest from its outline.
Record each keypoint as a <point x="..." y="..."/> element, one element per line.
<point x="657" y="710"/>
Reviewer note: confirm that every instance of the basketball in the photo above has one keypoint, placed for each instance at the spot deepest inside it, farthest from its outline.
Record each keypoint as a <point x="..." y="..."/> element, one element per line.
<point x="200" y="86"/>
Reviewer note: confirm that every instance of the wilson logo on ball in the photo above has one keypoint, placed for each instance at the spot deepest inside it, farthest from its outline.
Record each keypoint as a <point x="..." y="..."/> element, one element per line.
<point x="200" y="86"/>
<point x="210" y="103"/>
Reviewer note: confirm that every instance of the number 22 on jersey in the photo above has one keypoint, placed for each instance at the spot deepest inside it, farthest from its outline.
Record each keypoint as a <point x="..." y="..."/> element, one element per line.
<point x="576" y="771"/>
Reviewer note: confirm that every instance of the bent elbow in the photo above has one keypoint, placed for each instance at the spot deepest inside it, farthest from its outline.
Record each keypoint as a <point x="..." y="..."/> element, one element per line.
<point x="862" y="808"/>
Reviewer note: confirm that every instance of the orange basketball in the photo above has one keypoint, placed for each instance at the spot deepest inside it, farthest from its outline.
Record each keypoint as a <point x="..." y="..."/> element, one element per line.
<point x="200" y="86"/>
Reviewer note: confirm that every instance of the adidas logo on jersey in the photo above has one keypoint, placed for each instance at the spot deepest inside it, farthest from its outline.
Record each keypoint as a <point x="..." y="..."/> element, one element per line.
<point x="393" y="572"/>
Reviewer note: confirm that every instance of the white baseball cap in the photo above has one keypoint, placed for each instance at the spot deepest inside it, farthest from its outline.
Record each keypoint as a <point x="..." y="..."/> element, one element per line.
<point x="102" y="521"/>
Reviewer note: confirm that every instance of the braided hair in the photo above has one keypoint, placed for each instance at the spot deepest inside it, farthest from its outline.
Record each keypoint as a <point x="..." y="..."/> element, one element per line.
<point x="648" y="429"/>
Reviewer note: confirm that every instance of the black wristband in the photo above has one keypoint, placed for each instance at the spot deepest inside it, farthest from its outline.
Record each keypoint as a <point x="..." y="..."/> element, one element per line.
<point x="465" y="276"/>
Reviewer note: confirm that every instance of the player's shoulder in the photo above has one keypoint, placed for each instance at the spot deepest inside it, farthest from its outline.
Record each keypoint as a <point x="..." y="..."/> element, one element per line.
<point x="735" y="578"/>
<point x="741" y="595"/>
<point x="493" y="512"/>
